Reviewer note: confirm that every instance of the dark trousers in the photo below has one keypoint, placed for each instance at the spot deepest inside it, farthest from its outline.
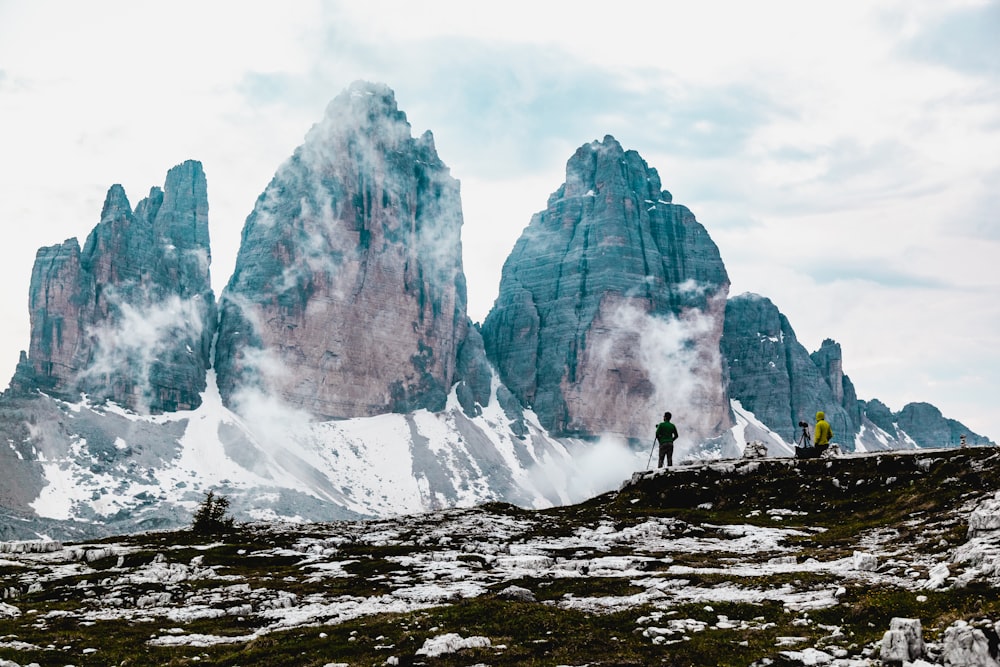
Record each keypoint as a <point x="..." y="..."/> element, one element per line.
<point x="666" y="451"/>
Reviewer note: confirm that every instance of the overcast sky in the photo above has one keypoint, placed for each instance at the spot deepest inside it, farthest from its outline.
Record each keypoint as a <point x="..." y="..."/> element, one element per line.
<point x="845" y="156"/>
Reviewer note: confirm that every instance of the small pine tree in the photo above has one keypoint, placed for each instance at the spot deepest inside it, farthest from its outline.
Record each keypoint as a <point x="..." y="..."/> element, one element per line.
<point x="210" y="517"/>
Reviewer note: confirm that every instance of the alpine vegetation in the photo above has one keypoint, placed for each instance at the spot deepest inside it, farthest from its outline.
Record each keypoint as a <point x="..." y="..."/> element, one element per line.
<point x="861" y="561"/>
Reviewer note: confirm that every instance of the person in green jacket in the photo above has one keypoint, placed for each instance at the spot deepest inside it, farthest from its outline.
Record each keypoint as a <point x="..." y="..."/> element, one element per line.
<point x="666" y="433"/>
<point x="823" y="432"/>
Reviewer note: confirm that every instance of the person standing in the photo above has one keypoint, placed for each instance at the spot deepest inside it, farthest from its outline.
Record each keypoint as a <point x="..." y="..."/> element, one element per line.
<point x="666" y="433"/>
<point x="823" y="432"/>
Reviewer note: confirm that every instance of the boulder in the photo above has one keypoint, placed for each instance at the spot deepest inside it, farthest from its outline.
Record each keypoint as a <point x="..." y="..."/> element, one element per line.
<point x="864" y="561"/>
<point x="893" y="649"/>
<point x="985" y="518"/>
<point x="912" y="633"/>
<point x="517" y="593"/>
<point x="966" y="646"/>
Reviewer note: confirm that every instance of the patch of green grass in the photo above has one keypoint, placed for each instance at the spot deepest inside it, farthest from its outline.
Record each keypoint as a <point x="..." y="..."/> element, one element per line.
<point x="798" y="580"/>
<point x="867" y="612"/>
<point x="116" y="643"/>
<point x="531" y="634"/>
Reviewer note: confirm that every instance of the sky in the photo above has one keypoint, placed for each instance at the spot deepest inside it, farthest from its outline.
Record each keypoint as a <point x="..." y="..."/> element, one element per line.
<point x="844" y="156"/>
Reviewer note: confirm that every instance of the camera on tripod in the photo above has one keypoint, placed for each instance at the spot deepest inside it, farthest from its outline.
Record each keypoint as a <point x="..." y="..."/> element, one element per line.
<point x="804" y="439"/>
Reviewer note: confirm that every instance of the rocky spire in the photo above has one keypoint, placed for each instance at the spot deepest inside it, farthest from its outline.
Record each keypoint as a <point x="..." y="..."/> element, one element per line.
<point x="348" y="298"/>
<point x="130" y="317"/>
<point x="830" y="361"/>
<point x="59" y="317"/>
<point x="611" y="304"/>
<point x="116" y="206"/>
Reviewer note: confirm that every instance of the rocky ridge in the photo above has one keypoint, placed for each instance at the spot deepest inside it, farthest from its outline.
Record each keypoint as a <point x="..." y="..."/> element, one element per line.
<point x="774" y="377"/>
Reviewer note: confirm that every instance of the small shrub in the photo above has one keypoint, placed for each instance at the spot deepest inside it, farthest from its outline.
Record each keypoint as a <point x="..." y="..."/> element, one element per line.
<point x="210" y="517"/>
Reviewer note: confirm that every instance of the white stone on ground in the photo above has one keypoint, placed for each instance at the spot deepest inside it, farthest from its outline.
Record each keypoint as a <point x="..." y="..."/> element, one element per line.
<point x="451" y="643"/>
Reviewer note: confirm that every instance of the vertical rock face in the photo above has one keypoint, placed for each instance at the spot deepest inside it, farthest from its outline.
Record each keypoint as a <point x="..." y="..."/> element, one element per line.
<point x="611" y="305"/>
<point x="130" y="317"/>
<point x="348" y="298"/>
<point x="56" y="298"/>
<point x="879" y="414"/>
<point x="773" y="375"/>
<point x="756" y="352"/>
<point x="830" y="361"/>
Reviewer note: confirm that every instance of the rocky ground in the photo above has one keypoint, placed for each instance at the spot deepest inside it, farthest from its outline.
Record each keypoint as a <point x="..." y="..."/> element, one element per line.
<point x="851" y="561"/>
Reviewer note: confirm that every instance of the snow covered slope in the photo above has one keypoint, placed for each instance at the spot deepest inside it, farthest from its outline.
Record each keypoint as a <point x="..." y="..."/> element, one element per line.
<point x="102" y="468"/>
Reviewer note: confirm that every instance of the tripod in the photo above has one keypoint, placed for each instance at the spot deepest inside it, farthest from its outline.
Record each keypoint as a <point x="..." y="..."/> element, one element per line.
<point x="804" y="439"/>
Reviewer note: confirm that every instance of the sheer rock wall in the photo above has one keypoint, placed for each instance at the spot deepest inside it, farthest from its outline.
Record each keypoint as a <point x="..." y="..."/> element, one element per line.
<point x="611" y="304"/>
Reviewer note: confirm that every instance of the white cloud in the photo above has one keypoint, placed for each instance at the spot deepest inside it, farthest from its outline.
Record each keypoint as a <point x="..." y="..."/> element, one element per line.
<point x="140" y="336"/>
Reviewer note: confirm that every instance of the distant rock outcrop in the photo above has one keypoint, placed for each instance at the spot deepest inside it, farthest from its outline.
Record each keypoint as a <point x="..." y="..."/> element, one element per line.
<point x="610" y="306"/>
<point x="927" y="427"/>
<point x="830" y="360"/>
<point x="879" y="414"/>
<point x="348" y="297"/>
<point x="130" y="317"/>
<point x="773" y="375"/>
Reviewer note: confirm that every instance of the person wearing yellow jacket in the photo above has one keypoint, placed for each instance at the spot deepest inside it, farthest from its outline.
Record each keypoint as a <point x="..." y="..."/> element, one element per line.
<point x="823" y="432"/>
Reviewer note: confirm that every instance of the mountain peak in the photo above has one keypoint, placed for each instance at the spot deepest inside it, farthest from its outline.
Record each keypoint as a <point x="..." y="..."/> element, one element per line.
<point x="349" y="277"/>
<point x="585" y="327"/>
<point x="366" y="95"/>
<point x="607" y="163"/>
<point x="116" y="204"/>
<point x="361" y="105"/>
<point x="130" y="317"/>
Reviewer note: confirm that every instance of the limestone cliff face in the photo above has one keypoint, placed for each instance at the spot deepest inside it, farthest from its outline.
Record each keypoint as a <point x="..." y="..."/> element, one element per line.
<point x="772" y="374"/>
<point x="611" y="305"/>
<point x="348" y="298"/>
<point x="58" y="348"/>
<point x="130" y="317"/>
<point x="880" y="416"/>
